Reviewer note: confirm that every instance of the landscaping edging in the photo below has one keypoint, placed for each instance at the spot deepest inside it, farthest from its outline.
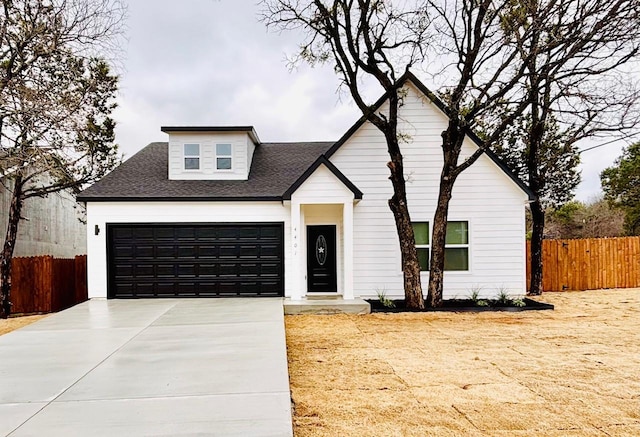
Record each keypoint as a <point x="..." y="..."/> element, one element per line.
<point x="462" y="306"/>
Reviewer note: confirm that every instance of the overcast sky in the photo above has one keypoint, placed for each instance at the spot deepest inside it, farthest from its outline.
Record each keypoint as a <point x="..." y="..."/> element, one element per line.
<point x="211" y="62"/>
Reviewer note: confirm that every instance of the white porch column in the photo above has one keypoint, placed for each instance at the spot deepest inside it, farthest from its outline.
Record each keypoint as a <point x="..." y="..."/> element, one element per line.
<point x="347" y="251"/>
<point x="296" y="251"/>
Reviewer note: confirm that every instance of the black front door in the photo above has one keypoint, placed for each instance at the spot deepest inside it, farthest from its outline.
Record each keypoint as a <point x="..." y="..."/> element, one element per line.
<point x="321" y="259"/>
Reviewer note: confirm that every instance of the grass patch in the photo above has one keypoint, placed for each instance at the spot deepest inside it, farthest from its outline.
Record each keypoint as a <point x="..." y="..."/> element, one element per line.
<point x="572" y="371"/>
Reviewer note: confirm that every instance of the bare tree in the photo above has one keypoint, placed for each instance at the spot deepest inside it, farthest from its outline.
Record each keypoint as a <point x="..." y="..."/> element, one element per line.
<point x="484" y="77"/>
<point x="481" y="76"/>
<point x="367" y="39"/>
<point x="56" y="97"/>
<point x="576" y="74"/>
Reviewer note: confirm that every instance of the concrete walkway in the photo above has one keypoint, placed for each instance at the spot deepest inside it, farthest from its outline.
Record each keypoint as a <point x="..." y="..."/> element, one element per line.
<point x="149" y="367"/>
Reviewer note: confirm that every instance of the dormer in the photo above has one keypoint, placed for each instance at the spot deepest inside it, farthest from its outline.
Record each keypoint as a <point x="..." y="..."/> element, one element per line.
<point x="210" y="152"/>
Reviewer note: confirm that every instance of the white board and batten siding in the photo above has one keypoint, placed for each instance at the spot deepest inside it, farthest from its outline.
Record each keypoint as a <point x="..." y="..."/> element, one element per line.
<point x="483" y="195"/>
<point x="102" y="213"/>
<point x="242" y="147"/>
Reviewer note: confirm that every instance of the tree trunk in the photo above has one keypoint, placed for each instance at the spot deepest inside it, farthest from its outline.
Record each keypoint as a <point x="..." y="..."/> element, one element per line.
<point x="410" y="264"/>
<point x="9" y="245"/>
<point x="537" y="213"/>
<point x="536" y="183"/>
<point x="451" y="145"/>
<point x="438" y="239"/>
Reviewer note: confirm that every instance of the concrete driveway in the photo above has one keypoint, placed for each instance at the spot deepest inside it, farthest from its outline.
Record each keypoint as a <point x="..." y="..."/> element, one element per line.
<point x="149" y="367"/>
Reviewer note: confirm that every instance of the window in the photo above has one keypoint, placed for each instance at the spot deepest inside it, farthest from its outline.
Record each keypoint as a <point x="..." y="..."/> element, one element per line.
<point x="224" y="156"/>
<point x="192" y="156"/>
<point x="422" y="234"/>
<point x="456" y="252"/>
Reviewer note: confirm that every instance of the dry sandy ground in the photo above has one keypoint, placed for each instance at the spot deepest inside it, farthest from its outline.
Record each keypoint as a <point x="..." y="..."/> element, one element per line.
<point x="569" y="372"/>
<point x="8" y="325"/>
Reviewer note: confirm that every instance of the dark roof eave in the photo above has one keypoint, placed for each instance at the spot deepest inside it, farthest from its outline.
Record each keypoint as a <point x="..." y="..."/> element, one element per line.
<point x="249" y="129"/>
<point x="179" y="199"/>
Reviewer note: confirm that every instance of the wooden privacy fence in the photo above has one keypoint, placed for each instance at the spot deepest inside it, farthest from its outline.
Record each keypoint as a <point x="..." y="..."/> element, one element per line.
<point x="43" y="284"/>
<point x="589" y="264"/>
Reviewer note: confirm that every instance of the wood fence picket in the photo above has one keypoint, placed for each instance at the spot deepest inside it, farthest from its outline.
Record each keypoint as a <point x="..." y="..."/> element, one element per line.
<point x="589" y="264"/>
<point x="43" y="284"/>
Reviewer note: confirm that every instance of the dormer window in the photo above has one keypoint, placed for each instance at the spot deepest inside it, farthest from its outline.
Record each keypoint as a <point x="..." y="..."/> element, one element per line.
<point x="192" y="156"/>
<point x="224" y="156"/>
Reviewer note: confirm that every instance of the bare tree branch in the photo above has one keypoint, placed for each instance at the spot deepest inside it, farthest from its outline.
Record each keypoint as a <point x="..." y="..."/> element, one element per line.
<point x="57" y="93"/>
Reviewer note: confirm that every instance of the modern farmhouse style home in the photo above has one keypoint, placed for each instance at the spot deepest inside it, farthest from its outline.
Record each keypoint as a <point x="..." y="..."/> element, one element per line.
<point x="216" y="212"/>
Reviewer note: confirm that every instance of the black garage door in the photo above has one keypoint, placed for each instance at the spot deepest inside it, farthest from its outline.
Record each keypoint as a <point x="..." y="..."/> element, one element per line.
<point x="195" y="260"/>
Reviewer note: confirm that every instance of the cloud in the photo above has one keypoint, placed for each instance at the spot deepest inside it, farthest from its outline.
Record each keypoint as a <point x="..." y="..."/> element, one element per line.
<point x="592" y="162"/>
<point x="293" y="111"/>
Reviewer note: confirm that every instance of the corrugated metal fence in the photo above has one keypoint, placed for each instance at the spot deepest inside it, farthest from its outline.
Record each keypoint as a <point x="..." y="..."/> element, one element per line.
<point x="43" y="284"/>
<point x="589" y="264"/>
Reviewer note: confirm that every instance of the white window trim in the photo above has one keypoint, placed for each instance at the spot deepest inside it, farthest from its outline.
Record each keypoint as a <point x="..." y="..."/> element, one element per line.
<point x="467" y="246"/>
<point x="428" y="246"/>
<point x="185" y="156"/>
<point x="230" y="156"/>
<point x="423" y="246"/>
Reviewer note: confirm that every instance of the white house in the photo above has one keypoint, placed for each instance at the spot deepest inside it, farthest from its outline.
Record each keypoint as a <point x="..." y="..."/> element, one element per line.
<point x="217" y="212"/>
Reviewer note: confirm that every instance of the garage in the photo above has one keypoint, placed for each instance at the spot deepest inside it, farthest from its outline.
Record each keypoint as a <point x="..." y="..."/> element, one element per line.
<point x="195" y="260"/>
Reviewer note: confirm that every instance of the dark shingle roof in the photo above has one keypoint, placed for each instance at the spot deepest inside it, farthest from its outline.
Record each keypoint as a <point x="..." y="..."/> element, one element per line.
<point x="144" y="176"/>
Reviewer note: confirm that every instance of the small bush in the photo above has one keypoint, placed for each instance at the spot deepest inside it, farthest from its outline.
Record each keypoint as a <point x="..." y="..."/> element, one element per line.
<point x="503" y="297"/>
<point x="384" y="300"/>
<point x="519" y="302"/>
<point x="474" y="293"/>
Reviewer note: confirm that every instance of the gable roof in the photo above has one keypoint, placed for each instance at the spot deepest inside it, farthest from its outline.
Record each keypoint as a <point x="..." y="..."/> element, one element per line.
<point x="144" y="176"/>
<point x="408" y="76"/>
<point x="322" y="160"/>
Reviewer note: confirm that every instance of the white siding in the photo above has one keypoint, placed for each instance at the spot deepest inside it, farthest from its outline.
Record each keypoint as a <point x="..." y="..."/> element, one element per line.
<point x="483" y="195"/>
<point x="241" y="162"/>
<point x="322" y="187"/>
<point x="101" y="213"/>
<point x="251" y="148"/>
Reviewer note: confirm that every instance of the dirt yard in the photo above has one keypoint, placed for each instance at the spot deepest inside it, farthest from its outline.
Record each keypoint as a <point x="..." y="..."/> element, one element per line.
<point x="569" y="372"/>
<point x="8" y="325"/>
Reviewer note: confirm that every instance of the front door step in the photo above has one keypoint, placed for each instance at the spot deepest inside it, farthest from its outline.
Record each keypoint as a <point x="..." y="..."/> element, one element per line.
<point x="321" y="296"/>
<point x="326" y="306"/>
